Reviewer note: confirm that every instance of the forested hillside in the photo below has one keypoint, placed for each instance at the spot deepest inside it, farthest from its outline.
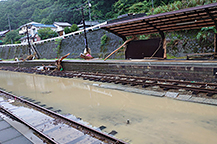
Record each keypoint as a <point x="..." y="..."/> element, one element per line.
<point x="20" y="12"/>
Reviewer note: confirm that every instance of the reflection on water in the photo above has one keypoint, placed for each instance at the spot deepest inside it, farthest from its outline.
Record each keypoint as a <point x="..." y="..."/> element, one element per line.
<point x="152" y="119"/>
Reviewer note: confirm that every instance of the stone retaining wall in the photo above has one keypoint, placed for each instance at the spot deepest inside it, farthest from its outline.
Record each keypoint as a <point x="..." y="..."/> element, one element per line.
<point x="74" y="45"/>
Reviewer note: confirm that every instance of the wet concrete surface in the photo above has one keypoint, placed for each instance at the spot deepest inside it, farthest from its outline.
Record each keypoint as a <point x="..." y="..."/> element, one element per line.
<point x="14" y="132"/>
<point x="52" y="127"/>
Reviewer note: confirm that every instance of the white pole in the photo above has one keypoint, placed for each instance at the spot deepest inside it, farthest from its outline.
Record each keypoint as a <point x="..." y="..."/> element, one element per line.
<point x="89" y="12"/>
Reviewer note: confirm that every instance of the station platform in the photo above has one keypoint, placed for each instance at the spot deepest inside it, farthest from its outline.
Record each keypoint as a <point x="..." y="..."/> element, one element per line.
<point x="9" y="135"/>
<point x="14" y="132"/>
<point x="190" y="70"/>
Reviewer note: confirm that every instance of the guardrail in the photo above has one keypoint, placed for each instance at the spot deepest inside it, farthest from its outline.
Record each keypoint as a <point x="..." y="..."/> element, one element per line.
<point x="52" y="39"/>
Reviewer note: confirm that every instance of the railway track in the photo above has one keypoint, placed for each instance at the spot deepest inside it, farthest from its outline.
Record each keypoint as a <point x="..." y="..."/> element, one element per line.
<point x="196" y="87"/>
<point x="51" y="126"/>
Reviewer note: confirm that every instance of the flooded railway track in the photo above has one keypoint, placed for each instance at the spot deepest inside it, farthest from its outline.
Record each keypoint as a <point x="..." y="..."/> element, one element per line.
<point x="51" y="126"/>
<point x="196" y="87"/>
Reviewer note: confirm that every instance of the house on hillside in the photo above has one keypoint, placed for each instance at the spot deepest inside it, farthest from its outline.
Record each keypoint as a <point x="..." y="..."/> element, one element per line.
<point x="33" y="28"/>
<point x="60" y="27"/>
<point x="2" y="35"/>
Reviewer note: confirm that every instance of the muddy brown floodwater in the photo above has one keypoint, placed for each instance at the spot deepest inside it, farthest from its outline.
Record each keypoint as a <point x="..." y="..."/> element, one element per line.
<point x="152" y="119"/>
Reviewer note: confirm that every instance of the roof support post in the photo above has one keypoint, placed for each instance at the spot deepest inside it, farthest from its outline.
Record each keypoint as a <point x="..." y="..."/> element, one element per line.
<point x="163" y="39"/>
<point x="163" y="43"/>
<point x="215" y="35"/>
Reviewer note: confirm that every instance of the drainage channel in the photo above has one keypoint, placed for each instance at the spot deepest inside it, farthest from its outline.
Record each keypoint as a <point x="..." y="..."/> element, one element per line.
<point x="53" y="127"/>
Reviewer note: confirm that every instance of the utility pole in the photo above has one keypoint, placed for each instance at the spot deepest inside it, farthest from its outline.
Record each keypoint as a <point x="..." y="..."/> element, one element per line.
<point x="89" y="10"/>
<point x="9" y="24"/>
<point x="85" y="34"/>
<point x="152" y="6"/>
<point x="27" y="33"/>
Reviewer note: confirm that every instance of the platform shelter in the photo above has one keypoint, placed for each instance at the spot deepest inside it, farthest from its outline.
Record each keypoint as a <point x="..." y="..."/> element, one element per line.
<point x="185" y="19"/>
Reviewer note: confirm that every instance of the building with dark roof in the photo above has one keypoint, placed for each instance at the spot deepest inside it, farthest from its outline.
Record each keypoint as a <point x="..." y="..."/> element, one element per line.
<point x="60" y="27"/>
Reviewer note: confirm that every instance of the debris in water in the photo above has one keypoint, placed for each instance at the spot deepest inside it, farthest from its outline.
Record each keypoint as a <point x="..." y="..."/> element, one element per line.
<point x="11" y="101"/>
<point x="113" y="133"/>
<point x="46" y="92"/>
<point x="128" y="121"/>
<point x="102" y="127"/>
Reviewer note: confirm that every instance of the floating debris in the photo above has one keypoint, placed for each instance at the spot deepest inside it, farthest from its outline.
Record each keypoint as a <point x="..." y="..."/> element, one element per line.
<point x="128" y="121"/>
<point x="11" y="101"/>
<point x="113" y="133"/>
<point x="102" y="127"/>
<point x="46" y="92"/>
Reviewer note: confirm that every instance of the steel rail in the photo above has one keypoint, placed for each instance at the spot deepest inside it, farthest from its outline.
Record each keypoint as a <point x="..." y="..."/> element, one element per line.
<point x="81" y="127"/>
<point x="165" y="80"/>
<point x="167" y="83"/>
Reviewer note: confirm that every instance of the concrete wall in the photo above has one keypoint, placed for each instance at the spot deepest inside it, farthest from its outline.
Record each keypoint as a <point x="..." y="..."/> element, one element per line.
<point x="74" y="45"/>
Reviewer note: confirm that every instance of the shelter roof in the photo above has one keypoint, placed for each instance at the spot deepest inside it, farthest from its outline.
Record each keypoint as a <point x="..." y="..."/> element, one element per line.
<point x="185" y="19"/>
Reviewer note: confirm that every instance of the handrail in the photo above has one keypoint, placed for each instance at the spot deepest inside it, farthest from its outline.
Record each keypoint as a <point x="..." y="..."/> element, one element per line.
<point x="50" y="39"/>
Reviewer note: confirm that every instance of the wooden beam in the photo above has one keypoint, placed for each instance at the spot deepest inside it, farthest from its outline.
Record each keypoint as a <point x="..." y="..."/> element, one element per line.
<point x="211" y="16"/>
<point x="141" y="32"/>
<point x="126" y="28"/>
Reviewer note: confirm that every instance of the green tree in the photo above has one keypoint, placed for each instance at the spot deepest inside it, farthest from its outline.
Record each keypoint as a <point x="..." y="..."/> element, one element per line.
<point x="67" y="30"/>
<point x="46" y="33"/>
<point x="11" y="37"/>
<point x="140" y="7"/>
<point x="122" y="6"/>
<point x="74" y="28"/>
<point x="102" y="9"/>
<point x="203" y="37"/>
